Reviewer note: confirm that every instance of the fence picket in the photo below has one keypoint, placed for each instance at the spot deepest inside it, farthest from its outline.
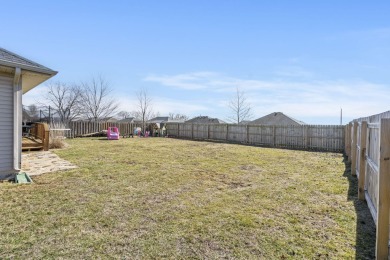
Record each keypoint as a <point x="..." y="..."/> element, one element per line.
<point x="317" y="137"/>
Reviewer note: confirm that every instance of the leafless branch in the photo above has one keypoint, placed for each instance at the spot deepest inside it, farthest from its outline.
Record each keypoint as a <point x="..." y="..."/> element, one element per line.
<point x="65" y="100"/>
<point x="240" y="107"/>
<point x="96" y="99"/>
<point x="145" y="109"/>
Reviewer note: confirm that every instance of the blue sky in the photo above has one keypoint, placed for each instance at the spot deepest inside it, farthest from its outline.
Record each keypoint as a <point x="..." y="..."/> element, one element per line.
<point x="304" y="58"/>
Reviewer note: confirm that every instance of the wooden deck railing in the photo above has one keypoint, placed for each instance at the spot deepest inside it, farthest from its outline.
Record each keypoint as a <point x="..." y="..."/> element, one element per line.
<point x="40" y="132"/>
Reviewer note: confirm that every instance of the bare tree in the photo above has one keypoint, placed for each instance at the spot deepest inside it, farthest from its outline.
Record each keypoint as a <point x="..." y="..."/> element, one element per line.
<point x="65" y="100"/>
<point x="30" y="113"/>
<point x="33" y="112"/>
<point x="145" y="110"/>
<point x="135" y="114"/>
<point x="96" y="99"/>
<point x="240" y="107"/>
<point x="174" y="116"/>
<point x="124" y="114"/>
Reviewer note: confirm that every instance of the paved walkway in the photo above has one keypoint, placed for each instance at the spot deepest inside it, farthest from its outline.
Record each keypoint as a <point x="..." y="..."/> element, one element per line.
<point x="36" y="163"/>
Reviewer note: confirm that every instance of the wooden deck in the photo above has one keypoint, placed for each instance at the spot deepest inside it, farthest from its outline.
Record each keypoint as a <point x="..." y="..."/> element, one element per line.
<point x="29" y="144"/>
<point x="37" y="139"/>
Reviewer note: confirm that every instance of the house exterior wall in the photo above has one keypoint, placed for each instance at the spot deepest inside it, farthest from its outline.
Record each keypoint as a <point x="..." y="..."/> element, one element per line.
<point x="17" y="76"/>
<point x="6" y="124"/>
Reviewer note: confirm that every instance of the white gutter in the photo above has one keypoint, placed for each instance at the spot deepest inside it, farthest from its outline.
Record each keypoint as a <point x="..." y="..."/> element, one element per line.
<point x="29" y="68"/>
<point x="17" y="88"/>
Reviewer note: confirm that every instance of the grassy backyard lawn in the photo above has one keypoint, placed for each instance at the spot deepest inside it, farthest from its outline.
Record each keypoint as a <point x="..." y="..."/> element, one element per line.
<point x="167" y="198"/>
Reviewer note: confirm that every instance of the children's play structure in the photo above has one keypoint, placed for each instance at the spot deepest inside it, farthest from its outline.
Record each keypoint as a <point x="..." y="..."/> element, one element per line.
<point x="113" y="133"/>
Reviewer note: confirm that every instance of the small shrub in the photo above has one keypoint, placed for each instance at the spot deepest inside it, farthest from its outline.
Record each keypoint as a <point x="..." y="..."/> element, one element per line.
<point x="56" y="143"/>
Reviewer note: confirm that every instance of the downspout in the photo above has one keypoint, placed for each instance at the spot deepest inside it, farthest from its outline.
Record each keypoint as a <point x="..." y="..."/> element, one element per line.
<point x="17" y="87"/>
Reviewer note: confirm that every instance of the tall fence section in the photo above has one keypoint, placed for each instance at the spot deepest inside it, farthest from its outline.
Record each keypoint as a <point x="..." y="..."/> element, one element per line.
<point x="309" y="137"/>
<point x="368" y="150"/>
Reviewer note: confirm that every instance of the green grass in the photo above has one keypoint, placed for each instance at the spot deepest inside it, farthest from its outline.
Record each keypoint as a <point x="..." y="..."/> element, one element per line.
<point x="167" y="198"/>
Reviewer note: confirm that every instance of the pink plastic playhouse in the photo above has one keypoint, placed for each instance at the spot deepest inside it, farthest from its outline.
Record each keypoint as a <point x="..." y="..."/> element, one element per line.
<point x="113" y="133"/>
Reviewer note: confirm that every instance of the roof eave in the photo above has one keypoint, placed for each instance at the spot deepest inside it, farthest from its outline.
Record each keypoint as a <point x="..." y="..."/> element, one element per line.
<point x="29" y="68"/>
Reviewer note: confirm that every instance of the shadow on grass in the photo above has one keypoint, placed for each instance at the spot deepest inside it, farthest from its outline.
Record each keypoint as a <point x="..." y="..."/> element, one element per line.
<point x="270" y="146"/>
<point x="365" y="226"/>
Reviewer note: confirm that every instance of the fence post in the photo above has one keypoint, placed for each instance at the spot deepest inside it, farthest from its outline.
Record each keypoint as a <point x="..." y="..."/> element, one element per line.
<point x="382" y="228"/>
<point x="227" y="132"/>
<point x="46" y="136"/>
<point x="247" y="134"/>
<point x="178" y="131"/>
<point x="362" y="156"/>
<point x="273" y="136"/>
<point x="354" y="148"/>
<point x="348" y="142"/>
<point x="208" y="131"/>
<point x="345" y="140"/>
<point x="192" y="131"/>
<point x="306" y="134"/>
<point x="350" y="125"/>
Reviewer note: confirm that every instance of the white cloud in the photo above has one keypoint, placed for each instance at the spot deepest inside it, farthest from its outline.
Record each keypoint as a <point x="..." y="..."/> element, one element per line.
<point x="208" y="93"/>
<point x="189" y="81"/>
<point x="298" y="98"/>
<point x="294" y="71"/>
<point x="165" y="105"/>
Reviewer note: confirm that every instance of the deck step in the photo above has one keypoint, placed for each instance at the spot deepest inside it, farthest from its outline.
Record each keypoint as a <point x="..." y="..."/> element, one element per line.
<point x="32" y="148"/>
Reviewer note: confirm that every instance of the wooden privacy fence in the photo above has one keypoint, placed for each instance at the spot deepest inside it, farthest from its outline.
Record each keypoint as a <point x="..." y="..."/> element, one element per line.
<point x="79" y="128"/>
<point x="368" y="150"/>
<point x="309" y="137"/>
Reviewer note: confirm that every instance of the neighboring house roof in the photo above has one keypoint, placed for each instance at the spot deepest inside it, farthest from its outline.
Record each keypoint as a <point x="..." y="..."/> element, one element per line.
<point x="175" y="121"/>
<point x="277" y="118"/>
<point x="205" y="120"/>
<point x="159" y="119"/>
<point x="164" y="119"/>
<point x="33" y="73"/>
<point x="100" y="119"/>
<point x="109" y="119"/>
<point x="127" y="120"/>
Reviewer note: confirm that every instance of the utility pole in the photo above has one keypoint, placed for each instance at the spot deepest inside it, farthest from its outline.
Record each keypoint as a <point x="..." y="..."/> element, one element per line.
<point x="341" y="117"/>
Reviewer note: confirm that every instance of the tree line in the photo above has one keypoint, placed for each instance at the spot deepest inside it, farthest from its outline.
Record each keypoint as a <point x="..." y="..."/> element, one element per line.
<point x="93" y="101"/>
<point x="90" y="100"/>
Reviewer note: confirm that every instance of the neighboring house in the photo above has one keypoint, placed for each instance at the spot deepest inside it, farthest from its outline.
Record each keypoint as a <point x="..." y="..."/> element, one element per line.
<point x="159" y="121"/>
<point x="25" y="116"/>
<point x="18" y="75"/>
<point x="158" y="124"/>
<point x="205" y="120"/>
<point x="245" y="122"/>
<point x="132" y="120"/>
<point x="108" y="119"/>
<point x="126" y="120"/>
<point x="277" y="118"/>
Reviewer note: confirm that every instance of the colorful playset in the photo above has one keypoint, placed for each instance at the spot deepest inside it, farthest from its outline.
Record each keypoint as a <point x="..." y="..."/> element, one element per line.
<point x="113" y="133"/>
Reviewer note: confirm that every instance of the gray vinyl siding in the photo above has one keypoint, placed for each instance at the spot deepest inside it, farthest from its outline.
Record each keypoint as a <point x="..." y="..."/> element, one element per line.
<point x="6" y="124"/>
